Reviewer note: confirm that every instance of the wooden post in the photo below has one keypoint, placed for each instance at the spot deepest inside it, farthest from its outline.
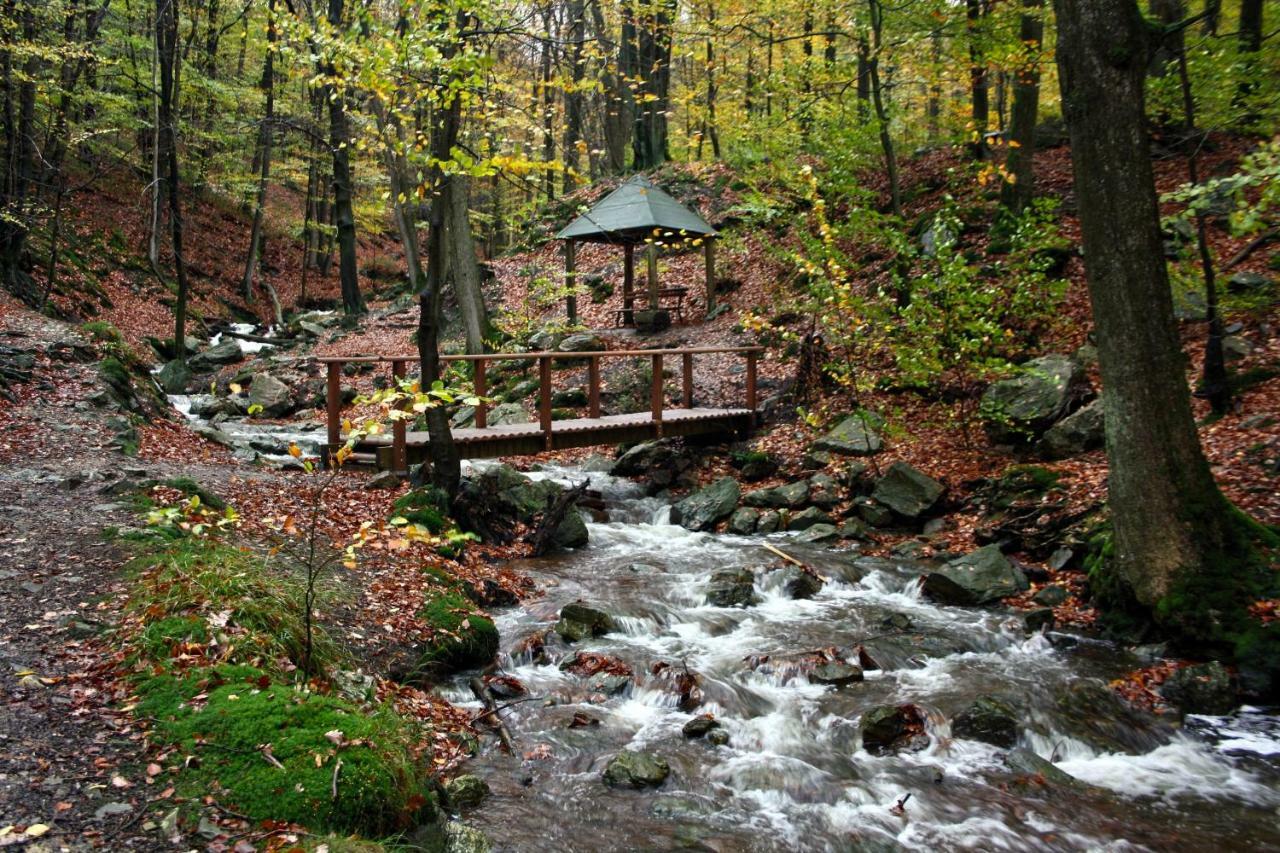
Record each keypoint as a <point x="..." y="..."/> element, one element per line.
<point x="593" y="387"/>
<point x="751" y="380"/>
<point x="571" y="281"/>
<point x="687" y="371"/>
<point x="333" y="405"/>
<point x="628" y="284"/>
<point x="652" y="259"/>
<point x="544" y="398"/>
<point x="482" y="412"/>
<point x="656" y="395"/>
<point x="399" y="456"/>
<point x="710" y="244"/>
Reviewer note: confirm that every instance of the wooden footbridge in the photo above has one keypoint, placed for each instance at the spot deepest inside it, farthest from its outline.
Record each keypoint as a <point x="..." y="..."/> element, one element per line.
<point x="403" y="447"/>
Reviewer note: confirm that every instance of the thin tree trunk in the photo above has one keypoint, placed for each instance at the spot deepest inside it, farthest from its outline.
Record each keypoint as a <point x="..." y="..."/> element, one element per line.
<point x="980" y="103"/>
<point x="616" y="120"/>
<point x="344" y="214"/>
<point x="166" y="52"/>
<point x="548" y="105"/>
<point x="573" y="135"/>
<point x="462" y="267"/>
<point x="264" y="144"/>
<point x="1016" y="194"/>
<point x="877" y="99"/>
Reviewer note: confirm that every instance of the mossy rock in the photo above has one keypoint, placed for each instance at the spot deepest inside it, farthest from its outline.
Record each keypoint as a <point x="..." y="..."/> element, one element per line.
<point x="423" y="507"/>
<point x="463" y="638"/>
<point x="380" y="788"/>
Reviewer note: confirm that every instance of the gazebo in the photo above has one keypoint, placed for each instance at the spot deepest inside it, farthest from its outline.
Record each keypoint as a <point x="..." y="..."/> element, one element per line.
<point x="638" y="213"/>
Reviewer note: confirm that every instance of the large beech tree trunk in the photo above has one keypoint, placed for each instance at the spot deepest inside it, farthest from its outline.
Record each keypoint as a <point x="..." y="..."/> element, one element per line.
<point x="1178" y="545"/>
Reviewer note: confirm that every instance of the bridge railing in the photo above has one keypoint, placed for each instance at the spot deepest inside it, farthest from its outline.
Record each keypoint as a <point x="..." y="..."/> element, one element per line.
<point x="657" y="394"/>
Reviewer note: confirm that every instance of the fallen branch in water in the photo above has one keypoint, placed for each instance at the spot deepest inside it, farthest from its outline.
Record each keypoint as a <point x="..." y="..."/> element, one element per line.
<point x="491" y="708"/>
<point x="780" y="553"/>
<point x="483" y="714"/>
<point x="899" y="808"/>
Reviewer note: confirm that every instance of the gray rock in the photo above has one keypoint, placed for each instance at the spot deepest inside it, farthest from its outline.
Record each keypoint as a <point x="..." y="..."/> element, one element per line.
<point x="569" y="398"/>
<point x="582" y="343"/>
<point x="1246" y="282"/>
<point x="770" y="522"/>
<point x="174" y="377"/>
<point x="383" y="480"/>
<point x="544" y="341"/>
<point x="853" y="528"/>
<point x="226" y="351"/>
<point x="907" y="491"/>
<point x="460" y="838"/>
<point x="1050" y="596"/>
<point x="572" y="532"/>
<point x="807" y="518"/>
<point x="819" y="533"/>
<point x="743" y="521"/>
<point x="854" y="436"/>
<point x="272" y="395"/>
<point x="107" y="810"/>
<point x="835" y="674"/>
<point x="1040" y="619"/>
<point x="893" y="728"/>
<point x="630" y="769"/>
<point x="792" y="496"/>
<point x="579" y="621"/>
<point x="1236" y="348"/>
<point x="507" y="413"/>
<point x="1079" y="432"/>
<point x="466" y="791"/>
<point x="699" y="726"/>
<point x="732" y="588"/>
<point x="213" y="434"/>
<point x="988" y="720"/>
<point x="1026" y="763"/>
<point x="650" y="321"/>
<point x="799" y="583"/>
<point x="705" y="507"/>
<point x="824" y="492"/>
<point x="1200" y="689"/>
<point x="718" y="737"/>
<point x="874" y="514"/>
<point x="1023" y="406"/>
<point x="979" y="577"/>
<point x="608" y="684"/>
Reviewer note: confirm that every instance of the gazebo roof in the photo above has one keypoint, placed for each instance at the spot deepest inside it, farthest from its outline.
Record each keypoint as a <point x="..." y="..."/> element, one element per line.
<point x="630" y="213"/>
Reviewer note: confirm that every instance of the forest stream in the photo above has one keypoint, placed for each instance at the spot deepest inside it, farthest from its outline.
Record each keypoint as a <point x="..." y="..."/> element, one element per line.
<point x="795" y="773"/>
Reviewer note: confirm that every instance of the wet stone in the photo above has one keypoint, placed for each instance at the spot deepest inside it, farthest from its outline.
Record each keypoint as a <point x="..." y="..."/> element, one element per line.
<point x="988" y="720"/>
<point x="770" y="522"/>
<point x="700" y="726"/>
<point x="893" y="728"/>
<point x="1050" y="596"/>
<point x="579" y="621"/>
<point x="732" y="588"/>
<point x="1040" y="619"/>
<point x="466" y="791"/>
<point x="743" y="521"/>
<point x="637" y="770"/>
<point x="718" y="737"/>
<point x="835" y="674"/>
<point x="1200" y="689"/>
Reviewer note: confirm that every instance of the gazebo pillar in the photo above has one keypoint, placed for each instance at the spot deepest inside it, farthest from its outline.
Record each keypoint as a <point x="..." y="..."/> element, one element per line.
<point x="652" y="259"/>
<point x="709" y="245"/>
<point x="571" y="281"/>
<point x="629" y="285"/>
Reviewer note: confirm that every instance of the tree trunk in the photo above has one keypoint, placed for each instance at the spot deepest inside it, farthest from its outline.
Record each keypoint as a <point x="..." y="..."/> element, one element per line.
<point x="344" y="215"/>
<point x="877" y="99"/>
<point x="20" y="156"/>
<point x="573" y="135"/>
<point x="616" y="119"/>
<point x="264" y="145"/>
<point x="653" y="55"/>
<point x="980" y="104"/>
<point x="1177" y="544"/>
<point x="462" y="268"/>
<point x="712" y="127"/>
<point x="166" y="52"/>
<point x="1016" y="194"/>
<point x="1166" y="50"/>
<point x="548" y="106"/>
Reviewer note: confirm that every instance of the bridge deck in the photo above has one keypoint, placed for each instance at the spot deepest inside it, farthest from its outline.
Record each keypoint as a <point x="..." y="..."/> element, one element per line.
<point x="529" y="438"/>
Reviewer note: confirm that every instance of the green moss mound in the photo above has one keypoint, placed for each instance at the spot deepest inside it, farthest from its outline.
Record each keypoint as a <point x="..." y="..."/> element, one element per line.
<point x="380" y="788"/>
<point x="424" y="507"/>
<point x="161" y="639"/>
<point x="463" y="638"/>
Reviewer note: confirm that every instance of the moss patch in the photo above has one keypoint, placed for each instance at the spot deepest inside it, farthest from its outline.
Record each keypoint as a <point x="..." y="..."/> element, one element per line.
<point x="380" y="786"/>
<point x="424" y="507"/>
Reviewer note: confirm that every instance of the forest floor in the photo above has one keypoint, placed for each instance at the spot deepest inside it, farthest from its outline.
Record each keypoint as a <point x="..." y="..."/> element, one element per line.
<point x="74" y="765"/>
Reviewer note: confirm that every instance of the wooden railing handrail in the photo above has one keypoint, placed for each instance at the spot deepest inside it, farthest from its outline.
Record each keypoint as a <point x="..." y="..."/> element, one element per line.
<point x="516" y="356"/>
<point x="544" y="359"/>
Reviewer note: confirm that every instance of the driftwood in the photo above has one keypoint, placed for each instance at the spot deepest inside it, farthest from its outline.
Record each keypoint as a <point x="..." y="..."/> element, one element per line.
<point x="558" y="508"/>
<point x="257" y="339"/>
<point x="491" y="712"/>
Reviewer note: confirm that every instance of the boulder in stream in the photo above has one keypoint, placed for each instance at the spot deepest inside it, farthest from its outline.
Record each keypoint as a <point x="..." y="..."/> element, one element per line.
<point x="579" y="621"/>
<point x="226" y="351"/>
<point x="988" y="720"/>
<point x="806" y="518"/>
<point x="835" y="674"/>
<point x="983" y="576"/>
<point x="743" y="521"/>
<point x="699" y="726"/>
<point x="732" y="588"/>
<point x="273" y="396"/>
<point x="1203" y="688"/>
<point x="790" y="496"/>
<point x="1024" y="762"/>
<point x="705" y="507"/>
<point x="637" y="770"/>
<point x="174" y="377"/>
<point x="798" y="582"/>
<point x="893" y="728"/>
<point x="466" y="791"/>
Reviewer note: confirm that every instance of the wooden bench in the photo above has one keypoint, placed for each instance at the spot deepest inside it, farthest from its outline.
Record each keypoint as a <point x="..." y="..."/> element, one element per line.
<point x="669" y="299"/>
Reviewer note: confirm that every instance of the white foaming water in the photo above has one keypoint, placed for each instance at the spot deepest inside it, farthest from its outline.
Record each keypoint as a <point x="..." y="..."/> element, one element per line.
<point x="246" y="347"/>
<point x="1183" y="768"/>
